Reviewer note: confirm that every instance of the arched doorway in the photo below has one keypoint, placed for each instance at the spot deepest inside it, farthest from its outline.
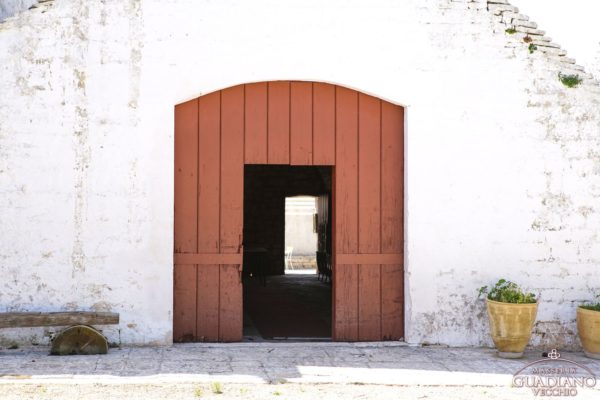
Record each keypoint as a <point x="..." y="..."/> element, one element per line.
<point x="298" y="124"/>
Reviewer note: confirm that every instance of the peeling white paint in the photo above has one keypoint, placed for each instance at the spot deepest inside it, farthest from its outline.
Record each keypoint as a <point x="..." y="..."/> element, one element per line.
<point x="502" y="161"/>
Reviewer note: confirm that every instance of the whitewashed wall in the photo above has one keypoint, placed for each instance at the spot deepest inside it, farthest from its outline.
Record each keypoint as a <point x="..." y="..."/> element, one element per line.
<point x="595" y="67"/>
<point x="502" y="161"/>
<point x="299" y="225"/>
<point x="8" y="8"/>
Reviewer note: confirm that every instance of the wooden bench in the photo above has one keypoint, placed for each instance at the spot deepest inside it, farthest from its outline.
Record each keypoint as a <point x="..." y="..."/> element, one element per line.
<point x="79" y="338"/>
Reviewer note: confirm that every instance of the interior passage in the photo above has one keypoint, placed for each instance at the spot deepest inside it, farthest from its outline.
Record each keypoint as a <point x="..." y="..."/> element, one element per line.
<point x="286" y="296"/>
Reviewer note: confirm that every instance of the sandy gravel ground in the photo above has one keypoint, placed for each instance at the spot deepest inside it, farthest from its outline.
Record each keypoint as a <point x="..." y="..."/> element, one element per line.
<point x="315" y="371"/>
<point x="18" y="391"/>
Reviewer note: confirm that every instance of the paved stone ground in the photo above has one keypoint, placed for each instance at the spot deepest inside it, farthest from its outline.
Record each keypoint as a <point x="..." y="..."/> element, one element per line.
<point x="249" y="370"/>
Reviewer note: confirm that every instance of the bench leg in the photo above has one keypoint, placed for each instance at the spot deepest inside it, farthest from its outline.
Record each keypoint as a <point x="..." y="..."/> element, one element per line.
<point x="79" y="339"/>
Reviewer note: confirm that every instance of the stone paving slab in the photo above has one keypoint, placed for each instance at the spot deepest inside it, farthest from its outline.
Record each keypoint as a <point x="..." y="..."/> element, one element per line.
<point x="389" y="363"/>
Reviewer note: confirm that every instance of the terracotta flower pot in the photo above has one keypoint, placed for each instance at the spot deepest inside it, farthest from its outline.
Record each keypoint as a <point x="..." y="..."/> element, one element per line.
<point x="510" y="326"/>
<point x="588" y="326"/>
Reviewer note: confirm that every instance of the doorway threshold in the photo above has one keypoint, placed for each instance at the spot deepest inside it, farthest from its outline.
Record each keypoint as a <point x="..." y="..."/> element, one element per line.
<point x="291" y="339"/>
<point x="301" y="339"/>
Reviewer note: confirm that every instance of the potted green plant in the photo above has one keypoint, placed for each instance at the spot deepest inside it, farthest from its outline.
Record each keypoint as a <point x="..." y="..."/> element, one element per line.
<point x="588" y="327"/>
<point x="512" y="313"/>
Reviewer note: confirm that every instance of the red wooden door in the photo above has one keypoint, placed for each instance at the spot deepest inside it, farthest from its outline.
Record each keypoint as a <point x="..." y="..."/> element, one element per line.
<point x="368" y="211"/>
<point x="209" y="173"/>
<point x="295" y="123"/>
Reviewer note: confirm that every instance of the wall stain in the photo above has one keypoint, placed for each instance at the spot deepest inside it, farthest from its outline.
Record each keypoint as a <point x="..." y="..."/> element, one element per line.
<point x="135" y="56"/>
<point x="554" y="335"/>
<point x="82" y="148"/>
<point x="102" y="306"/>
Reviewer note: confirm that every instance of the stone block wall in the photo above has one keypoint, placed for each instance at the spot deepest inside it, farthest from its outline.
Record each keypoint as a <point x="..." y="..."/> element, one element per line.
<point x="502" y="161"/>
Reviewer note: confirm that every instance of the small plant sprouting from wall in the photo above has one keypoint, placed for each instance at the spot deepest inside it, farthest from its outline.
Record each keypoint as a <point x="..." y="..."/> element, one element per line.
<point x="532" y="47"/>
<point x="511" y="31"/>
<point x="570" y="81"/>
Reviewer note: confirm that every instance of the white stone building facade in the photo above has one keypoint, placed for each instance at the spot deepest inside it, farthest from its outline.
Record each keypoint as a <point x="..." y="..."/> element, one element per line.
<point x="502" y="161"/>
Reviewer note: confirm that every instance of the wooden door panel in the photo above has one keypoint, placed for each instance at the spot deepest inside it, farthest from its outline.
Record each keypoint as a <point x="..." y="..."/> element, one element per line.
<point x="345" y="324"/>
<point x="298" y="123"/>
<point x="369" y="304"/>
<point x="209" y="180"/>
<point x="232" y="170"/>
<point x="392" y="302"/>
<point x="255" y="104"/>
<point x="184" y="303"/>
<point x="232" y="209"/>
<point x="209" y="149"/>
<point x="186" y="179"/>
<point x="231" y="307"/>
<point x="186" y="176"/>
<point x="323" y="124"/>
<point x="301" y="123"/>
<point x="392" y="132"/>
<point x="278" y="146"/>
<point x="346" y="183"/>
<point x="369" y="171"/>
<point x="345" y="276"/>
<point x="369" y="215"/>
<point x="392" y="198"/>
<point x="207" y="298"/>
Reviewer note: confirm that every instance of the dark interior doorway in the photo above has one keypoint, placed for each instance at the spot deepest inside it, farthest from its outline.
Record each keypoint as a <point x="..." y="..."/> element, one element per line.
<point x="279" y="305"/>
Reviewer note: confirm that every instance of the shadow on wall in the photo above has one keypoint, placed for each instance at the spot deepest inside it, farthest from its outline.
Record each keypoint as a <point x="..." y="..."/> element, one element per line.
<point x="8" y="8"/>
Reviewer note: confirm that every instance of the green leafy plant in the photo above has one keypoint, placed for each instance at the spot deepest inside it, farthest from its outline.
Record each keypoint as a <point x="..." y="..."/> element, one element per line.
<point x="511" y="31"/>
<point x="570" y="81"/>
<point x="532" y="47"/>
<point x="507" y="292"/>
<point x="592" y="306"/>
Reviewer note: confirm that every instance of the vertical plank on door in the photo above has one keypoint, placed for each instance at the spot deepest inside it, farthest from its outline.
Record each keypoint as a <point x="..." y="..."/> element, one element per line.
<point x="392" y="276"/>
<point x="186" y="176"/>
<point x="232" y="208"/>
<point x="301" y="141"/>
<point x="231" y="307"/>
<point x="323" y="124"/>
<point x="346" y="187"/>
<point x="256" y="123"/>
<point x="186" y="179"/>
<point x="209" y="147"/>
<point x="332" y="213"/>
<point x="369" y="216"/>
<point x="278" y="146"/>
<point x="184" y="304"/>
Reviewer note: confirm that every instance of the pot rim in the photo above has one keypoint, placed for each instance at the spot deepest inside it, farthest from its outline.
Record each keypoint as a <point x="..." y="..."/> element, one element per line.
<point x="585" y="310"/>
<point x="513" y="304"/>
